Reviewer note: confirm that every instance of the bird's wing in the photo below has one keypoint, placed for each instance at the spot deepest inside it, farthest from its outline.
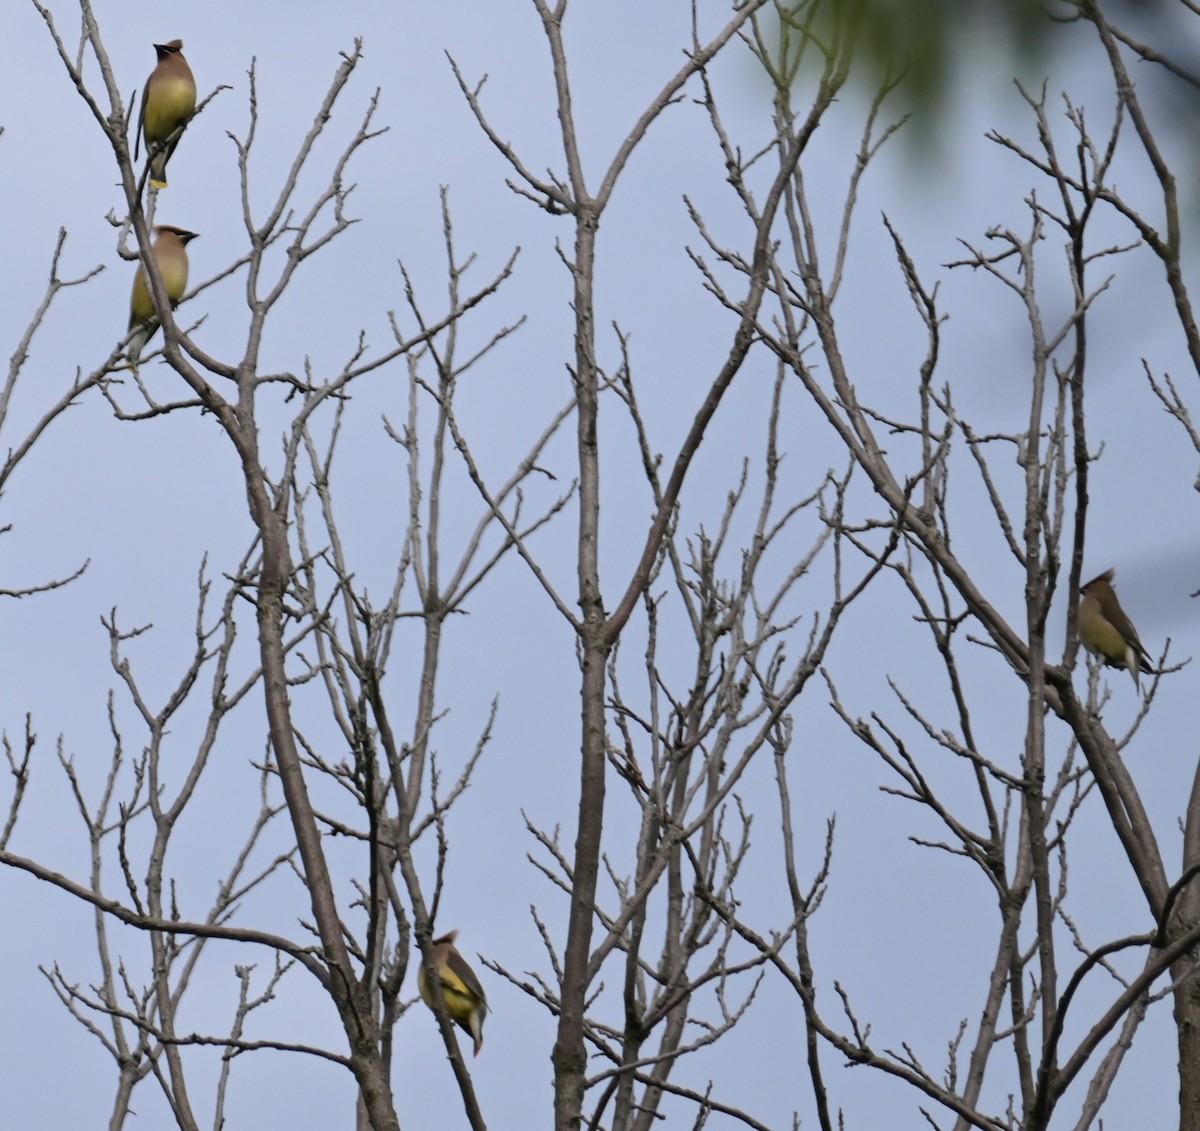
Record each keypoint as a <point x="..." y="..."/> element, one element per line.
<point x="457" y="967"/>
<point x="1115" y="616"/>
<point x="137" y="140"/>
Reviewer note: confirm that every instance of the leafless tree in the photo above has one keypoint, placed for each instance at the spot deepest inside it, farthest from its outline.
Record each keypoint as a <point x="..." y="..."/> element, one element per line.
<point x="1028" y="807"/>
<point x="699" y="660"/>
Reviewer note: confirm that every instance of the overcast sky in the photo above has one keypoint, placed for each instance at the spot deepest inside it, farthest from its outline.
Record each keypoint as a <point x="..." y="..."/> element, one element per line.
<point x="143" y="503"/>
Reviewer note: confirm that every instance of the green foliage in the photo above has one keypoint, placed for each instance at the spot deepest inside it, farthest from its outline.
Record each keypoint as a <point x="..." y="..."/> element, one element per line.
<point x="932" y="42"/>
<point x="931" y="47"/>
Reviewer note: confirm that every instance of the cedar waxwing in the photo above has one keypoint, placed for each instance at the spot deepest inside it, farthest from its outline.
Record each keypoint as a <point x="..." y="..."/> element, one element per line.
<point x="167" y="103"/>
<point x="170" y="253"/>
<point x="1107" y="632"/>
<point x="461" y="991"/>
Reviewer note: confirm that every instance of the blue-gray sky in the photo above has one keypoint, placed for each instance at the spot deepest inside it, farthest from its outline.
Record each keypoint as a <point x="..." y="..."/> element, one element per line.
<point x="143" y="503"/>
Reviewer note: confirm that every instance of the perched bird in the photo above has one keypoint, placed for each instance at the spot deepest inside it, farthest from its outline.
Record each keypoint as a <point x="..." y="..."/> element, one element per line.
<point x="1107" y="632"/>
<point x="461" y="991"/>
<point x="167" y="103"/>
<point x="170" y="253"/>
